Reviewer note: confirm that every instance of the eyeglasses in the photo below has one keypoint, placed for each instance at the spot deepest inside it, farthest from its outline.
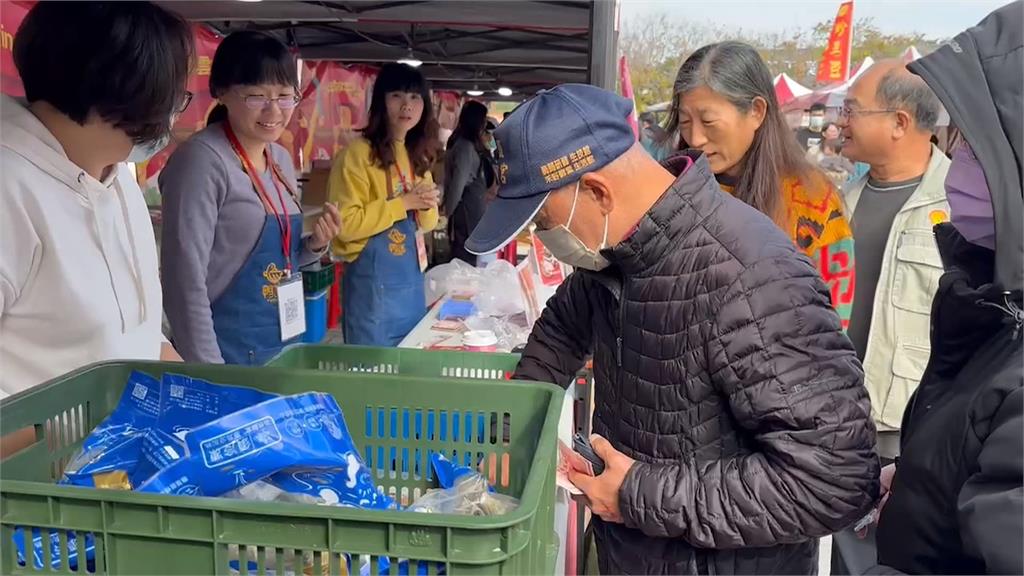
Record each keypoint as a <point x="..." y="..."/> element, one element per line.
<point x="185" y="102"/>
<point x="846" y="112"/>
<point x="260" y="102"/>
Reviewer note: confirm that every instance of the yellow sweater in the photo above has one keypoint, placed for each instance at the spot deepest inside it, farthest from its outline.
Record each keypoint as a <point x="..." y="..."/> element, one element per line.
<point x="359" y="187"/>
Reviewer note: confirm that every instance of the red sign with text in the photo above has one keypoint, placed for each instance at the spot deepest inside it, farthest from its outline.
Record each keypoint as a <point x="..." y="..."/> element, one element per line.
<point x="835" y="60"/>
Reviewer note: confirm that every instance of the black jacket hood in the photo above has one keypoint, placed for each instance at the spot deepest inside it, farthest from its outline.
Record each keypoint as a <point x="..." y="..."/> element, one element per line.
<point x="977" y="76"/>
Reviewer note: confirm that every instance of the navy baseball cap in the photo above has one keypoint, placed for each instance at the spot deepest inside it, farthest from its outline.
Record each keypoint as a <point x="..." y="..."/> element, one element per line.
<point x="548" y="142"/>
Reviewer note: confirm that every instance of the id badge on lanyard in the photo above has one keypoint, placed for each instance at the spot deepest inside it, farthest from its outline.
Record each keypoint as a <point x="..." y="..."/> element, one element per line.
<point x="421" y="243"/>
<point x="291" y="305"/>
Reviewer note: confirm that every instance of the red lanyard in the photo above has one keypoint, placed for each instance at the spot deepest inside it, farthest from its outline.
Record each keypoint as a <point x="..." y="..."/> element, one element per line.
<point x="284" y="223"/>
<point x="406" y="188"/>
<point x="401" y="178"/>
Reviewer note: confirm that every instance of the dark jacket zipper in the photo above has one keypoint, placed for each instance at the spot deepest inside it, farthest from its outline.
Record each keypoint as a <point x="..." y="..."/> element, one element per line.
<point x="622" y="329"/>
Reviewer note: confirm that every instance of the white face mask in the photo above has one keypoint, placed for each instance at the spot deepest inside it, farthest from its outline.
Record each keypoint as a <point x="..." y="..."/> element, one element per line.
<point x="817" y="123"/>
<point x="146" y="150"/>
<point x="568" y="248"/>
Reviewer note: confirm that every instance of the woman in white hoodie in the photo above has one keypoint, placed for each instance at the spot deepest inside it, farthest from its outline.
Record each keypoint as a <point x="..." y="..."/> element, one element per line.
<point x="78" y="265"/>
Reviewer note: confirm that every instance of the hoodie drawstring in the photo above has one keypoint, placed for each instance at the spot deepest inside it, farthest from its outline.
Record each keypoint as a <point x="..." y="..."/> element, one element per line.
<point x="1010" y="308"/>
<point x="136" y="271"/>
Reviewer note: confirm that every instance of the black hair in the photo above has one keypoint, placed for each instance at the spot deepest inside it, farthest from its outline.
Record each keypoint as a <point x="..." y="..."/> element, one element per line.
<point x="249" y="58"/>
<point x="472" y="123"/>
<point x="817" y="107"/>
<point x="127" y="62"/>
<point x="422" y="141"/>
<point x="736" y="72"/>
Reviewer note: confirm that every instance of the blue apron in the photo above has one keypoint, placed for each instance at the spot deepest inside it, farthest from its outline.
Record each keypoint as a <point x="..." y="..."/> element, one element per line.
<point x="245" y="316"/>
<point x="382" y="291"/>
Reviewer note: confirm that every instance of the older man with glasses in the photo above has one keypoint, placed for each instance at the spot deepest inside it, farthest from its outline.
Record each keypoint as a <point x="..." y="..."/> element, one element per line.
<point x="887" y="122"/>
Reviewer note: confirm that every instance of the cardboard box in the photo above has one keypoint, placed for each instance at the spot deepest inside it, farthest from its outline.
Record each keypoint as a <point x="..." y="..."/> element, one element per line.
<point x="314" y="189"/>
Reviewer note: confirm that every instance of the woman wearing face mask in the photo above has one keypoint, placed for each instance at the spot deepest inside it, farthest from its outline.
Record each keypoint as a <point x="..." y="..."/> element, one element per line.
<point x="469" y="175"/>
<point x="387" y="198"/>
<point x="953" y="503"/>
<point x="725" y="106"/>
<point x="78" y="266"/>
<point x="232" y="240"/>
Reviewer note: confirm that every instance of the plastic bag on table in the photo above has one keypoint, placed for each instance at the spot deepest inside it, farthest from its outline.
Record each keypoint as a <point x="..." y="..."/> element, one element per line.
<point x="456" y="278"/>
<point x="511" y="331"/>
<point x="499" y="293"/>
<point x="468" y="496"/>
<point x="110" y="454"/>
<point x="302" y="431"/>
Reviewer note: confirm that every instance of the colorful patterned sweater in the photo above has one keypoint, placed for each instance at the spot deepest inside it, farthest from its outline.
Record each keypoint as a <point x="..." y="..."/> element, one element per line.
<point x="817" y="224"/>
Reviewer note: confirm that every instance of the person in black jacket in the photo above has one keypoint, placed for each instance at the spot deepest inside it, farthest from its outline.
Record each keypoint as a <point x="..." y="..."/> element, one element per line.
<point x="955" y="504"/>
<point x="730" y="406"/>
<point x="469" y="174"/>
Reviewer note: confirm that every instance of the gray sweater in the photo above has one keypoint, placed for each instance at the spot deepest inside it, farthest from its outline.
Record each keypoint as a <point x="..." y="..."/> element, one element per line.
<point x="464" y="181"/>
<point x="212" y="218"/>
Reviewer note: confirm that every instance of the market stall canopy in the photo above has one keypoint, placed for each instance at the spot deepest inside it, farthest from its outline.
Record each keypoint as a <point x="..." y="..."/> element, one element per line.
<point x="523" y="45"/>
<point x="911" y="54"/>
<point x="659" y="107"/>
<point x="787" y="89"/>
<point x="832" y="95"/>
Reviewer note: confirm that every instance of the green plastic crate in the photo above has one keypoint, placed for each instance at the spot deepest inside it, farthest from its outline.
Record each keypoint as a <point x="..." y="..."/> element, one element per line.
<point x="404" y="361"/>
<point x="397" y="422"/>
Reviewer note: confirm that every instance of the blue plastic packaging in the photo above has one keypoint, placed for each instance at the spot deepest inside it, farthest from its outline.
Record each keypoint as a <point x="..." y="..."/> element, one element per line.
<point x="349" y="486"/>
<point x="55" y="550"/>
<point x="190" y="402"/>
<point x="110" y="453"/>
<point x="301" y="431"/>
<point x="456" y="310"/>
<point x="448" y="472"/>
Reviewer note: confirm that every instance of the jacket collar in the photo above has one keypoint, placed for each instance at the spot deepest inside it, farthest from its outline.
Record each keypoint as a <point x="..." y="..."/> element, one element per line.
<point x="690" y="199"/>
<point x="931" y="190"/>
<point x="969" y="309"/>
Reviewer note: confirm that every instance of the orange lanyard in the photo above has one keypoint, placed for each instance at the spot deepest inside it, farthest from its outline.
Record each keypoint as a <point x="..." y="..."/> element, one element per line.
<point x="284" y="223"/>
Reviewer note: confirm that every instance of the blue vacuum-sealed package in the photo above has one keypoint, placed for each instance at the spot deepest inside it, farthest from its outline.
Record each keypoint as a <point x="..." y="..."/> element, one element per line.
<point x="350" y="485"/>
<point x="188" y="402"/>
<point x="74" y="542"/>
<point x="110" y="454"/>
<point x="301" y="431"/>
<point x="136" y="440"/>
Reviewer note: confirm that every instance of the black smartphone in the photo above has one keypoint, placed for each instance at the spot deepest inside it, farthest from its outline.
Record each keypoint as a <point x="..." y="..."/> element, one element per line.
<point x="581" y="444"/>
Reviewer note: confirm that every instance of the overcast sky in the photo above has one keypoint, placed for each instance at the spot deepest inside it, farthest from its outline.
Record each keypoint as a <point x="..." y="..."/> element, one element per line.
<point x="934" y="18"/>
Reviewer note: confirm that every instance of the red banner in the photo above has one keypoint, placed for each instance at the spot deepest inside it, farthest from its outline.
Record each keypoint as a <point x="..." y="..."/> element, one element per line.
<point x="835" y="60"/>
<point x="335" y="103"/>
<point x="11" y="15"/>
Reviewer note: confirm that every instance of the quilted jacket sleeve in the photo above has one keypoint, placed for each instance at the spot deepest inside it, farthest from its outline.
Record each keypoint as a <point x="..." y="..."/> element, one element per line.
<point x="991" y="502"/>
<point x="561" y="337"/>
<point x="777" y="353"/>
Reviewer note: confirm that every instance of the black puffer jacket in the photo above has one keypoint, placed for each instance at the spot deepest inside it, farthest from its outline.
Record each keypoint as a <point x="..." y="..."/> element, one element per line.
<point x="957" y="502"/>
<point x="722" y="369"/>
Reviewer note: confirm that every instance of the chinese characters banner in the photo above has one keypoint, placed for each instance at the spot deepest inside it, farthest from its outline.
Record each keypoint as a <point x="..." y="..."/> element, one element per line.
<point x="835" y="60"/>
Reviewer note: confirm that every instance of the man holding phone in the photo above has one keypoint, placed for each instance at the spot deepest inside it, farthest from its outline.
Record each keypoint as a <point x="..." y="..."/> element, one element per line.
<point x="731" y="413"/>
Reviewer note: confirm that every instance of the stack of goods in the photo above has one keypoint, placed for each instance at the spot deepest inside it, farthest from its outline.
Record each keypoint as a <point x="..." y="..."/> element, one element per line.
<point x="184" y="436"/>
